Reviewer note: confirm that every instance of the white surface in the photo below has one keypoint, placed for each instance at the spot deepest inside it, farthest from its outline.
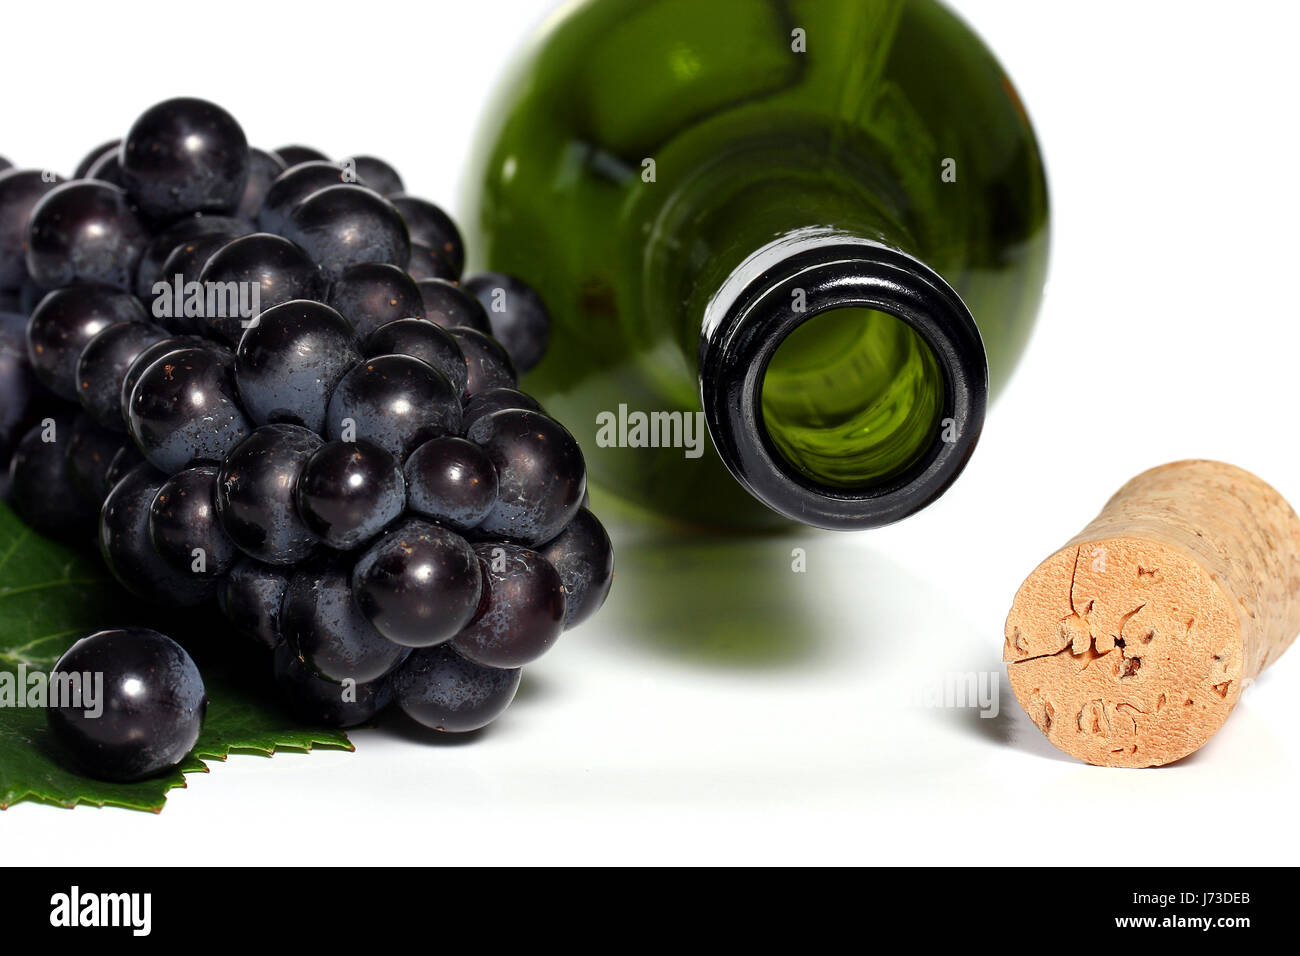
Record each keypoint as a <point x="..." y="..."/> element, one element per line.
<point x="1170" y="330"/>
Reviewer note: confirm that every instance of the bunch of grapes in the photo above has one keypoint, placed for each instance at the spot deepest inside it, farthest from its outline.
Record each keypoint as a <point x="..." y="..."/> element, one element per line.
<point x="261" y="374"/>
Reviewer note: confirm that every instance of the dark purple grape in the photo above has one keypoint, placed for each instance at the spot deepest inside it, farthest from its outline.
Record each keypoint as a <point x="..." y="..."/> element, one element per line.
<point x="432" y="227"/>
<point x="450" y="306"/>
<point x="266" y="271"/>
<point x="263" y="169"/>
<point x="344" y="226"/>
<point x="290" y="360"/>
<point x="255" y="493"/>
<point x="349" y="491"/>
<point x="426" y="263"/>
<point x="89" y="160"/>
<point x="108" y="169"/>
<point x="183" y="409"/>
<point x="90" y="450"/>
<point x="150" y="712"/>
<point x="127" y="457"/>
<point x="184" y="526"/>
<point x="161" y="247"/>
<point x="40" y="481"/>
<point x="423" y="340"/>
<point x="20" y="190"/>
<point x="491" y="400"/>
<point x="373" y="294"/>
<point x="419" y="584"/>
<point x="23" y="400"/>
<point x="585" y="559"/>
<point x="395" y="401"/>
<point x="295" y="154"/>
<point x="488" y="363"/>
<point x="375" y="173"/>
<point x="150" y="354"/>
<point x="439" y="689"/>
<point x="326" y="702"/>
<point x="185" y="155"/>
<point x="541" y="475"/>
<point x="451" y="481"/>
<point x="130" y="555"/>
<point x="293" y="186"/>
<point x="187" y="261"/>
<point x="324" y="627"/>
<point x="519" y="318"/>
<point x="85" y="232"/>
<point x="103" y="365"/>
<point x="250" y="596"/>
<point x="521" y="613"/>
<point x="64" y="323"/>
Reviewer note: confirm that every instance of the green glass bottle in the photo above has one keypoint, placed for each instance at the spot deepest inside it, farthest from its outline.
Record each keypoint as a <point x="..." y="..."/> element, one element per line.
<point x="789" y="246"/>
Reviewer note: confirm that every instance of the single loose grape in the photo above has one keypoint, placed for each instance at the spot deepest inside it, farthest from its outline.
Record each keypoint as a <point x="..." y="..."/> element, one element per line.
<point x="150" y="712"/>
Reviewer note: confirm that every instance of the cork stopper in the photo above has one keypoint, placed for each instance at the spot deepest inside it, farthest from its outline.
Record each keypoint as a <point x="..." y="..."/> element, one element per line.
<point x="1130" y="645"/>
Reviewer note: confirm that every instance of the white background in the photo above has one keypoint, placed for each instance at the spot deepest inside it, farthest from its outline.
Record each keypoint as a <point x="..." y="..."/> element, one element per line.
<point x="655" y="733"/>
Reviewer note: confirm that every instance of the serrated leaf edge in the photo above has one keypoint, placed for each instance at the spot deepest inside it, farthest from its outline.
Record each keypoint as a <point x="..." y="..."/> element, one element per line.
<point x="194" y="762"/>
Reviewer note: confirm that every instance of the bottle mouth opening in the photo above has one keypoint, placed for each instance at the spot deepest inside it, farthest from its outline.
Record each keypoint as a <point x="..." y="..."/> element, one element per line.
<point x="844" y="383"/>
<point x="852" y="397"/>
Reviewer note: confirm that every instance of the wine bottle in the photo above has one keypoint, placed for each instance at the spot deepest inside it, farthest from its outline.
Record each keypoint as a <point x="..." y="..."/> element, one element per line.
<point x="790" y="247"/>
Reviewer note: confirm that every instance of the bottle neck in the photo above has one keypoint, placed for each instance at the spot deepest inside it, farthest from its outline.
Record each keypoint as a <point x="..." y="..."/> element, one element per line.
<point x="843" y="381"/>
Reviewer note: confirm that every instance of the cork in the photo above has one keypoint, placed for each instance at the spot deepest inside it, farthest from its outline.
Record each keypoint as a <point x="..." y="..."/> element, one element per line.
<point x="1130" y="645"/>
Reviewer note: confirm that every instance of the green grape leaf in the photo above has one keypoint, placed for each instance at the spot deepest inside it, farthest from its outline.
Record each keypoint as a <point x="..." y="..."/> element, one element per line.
<point x="50" y="597"/>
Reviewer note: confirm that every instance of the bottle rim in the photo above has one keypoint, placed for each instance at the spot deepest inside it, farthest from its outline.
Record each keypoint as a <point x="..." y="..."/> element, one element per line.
<point x="751" y="316"/>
